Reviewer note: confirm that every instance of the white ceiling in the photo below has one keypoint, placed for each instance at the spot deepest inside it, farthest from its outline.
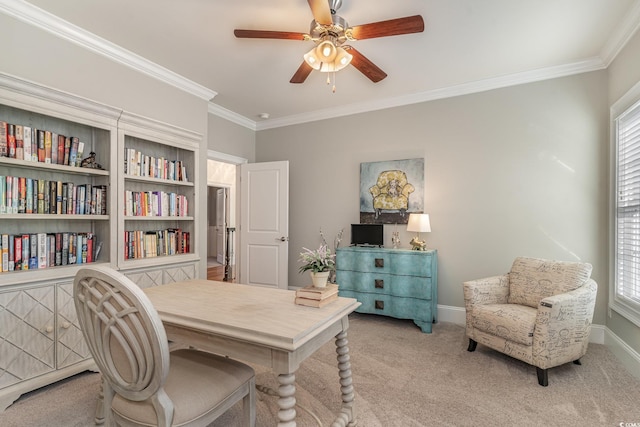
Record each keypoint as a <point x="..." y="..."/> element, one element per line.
<point x="467" y="46"/>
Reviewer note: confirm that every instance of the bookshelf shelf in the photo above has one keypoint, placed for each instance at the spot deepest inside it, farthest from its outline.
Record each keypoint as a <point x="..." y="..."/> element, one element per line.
<point x="158" y="181"/>
<point x="57" y="217"/>
<point x="62" y="169"/>
<point x="158" y="218"/>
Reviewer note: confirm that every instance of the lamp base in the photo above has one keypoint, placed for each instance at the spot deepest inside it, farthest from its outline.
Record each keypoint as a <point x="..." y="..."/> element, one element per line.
<point x="417" y="244"/>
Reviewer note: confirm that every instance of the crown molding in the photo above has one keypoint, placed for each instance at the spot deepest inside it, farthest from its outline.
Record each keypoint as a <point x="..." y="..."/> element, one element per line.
<point x="621" y="35"/>
<point x="39" y="18"/>
<point x="43" y="20"/>
<point x="432" y="95"/>
<point x="231" y="116"/>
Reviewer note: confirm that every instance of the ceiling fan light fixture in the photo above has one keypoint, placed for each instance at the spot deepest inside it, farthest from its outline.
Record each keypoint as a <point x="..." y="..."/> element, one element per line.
<point x="340" y="60"/>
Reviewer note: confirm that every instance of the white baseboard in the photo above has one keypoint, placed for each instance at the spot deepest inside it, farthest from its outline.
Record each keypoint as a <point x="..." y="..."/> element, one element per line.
<point x="600" y="334"/>
<point x="627" y="355"/>
<point x="451" y="314"/>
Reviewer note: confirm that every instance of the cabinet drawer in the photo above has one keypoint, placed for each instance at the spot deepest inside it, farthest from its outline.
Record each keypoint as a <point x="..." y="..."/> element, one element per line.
<point x="380" y="283"/>
<point x="401" y="308"/>
<point x="409" y="263"/>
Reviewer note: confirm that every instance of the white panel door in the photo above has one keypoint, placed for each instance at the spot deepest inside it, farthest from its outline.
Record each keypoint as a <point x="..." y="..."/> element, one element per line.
<point x="264" y="224"/>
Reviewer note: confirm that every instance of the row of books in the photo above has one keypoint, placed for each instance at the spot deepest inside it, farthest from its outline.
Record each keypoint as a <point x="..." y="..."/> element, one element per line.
<point x="43" y="250"/>
<point x="155" y="203"/>
<point x="148" y="244"/>
<point x="21" y="195"/>
<point x="137" y="163"/>
<point x="37" y="145"/>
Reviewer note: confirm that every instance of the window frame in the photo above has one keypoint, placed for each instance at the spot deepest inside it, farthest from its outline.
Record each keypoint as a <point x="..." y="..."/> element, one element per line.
<point x="617" y="302"/>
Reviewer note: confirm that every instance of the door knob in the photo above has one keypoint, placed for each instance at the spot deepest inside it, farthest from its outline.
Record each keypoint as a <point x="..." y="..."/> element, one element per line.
<point x="283" y="239"/>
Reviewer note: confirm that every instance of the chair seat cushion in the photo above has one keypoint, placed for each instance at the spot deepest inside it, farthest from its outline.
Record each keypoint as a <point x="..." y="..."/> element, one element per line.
<point x="533" y="279"/>
<point x="509" y="321"/>
<point x="208" y="378"/>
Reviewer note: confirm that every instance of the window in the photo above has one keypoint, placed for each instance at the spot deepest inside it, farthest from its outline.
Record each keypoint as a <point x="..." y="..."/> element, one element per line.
<point x="625" y="296"/>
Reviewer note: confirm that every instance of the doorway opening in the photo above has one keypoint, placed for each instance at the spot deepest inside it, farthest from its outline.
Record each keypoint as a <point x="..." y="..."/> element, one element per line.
<point x="222" y="238"/>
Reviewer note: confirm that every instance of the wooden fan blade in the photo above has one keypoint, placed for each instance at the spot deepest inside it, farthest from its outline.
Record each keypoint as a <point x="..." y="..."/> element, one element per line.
<point x="301" y="75"/>
<point x="264" y="34"/>
<point x="321" y="11"/>
<point x="392" y="27"/>
<point x="365" y="66"/>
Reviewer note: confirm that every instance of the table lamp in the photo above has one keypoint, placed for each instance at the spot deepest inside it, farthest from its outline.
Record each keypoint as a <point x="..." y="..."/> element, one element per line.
<point x="420" y="224"/>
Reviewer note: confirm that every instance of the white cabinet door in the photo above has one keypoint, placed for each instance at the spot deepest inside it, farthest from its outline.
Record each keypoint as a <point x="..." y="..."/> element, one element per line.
<point x="27" y="334"/>
<point x="71" y="347"/>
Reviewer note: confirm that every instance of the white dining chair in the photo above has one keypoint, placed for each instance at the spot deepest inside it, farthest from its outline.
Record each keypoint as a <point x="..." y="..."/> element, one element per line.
<point x="144" y="384"/>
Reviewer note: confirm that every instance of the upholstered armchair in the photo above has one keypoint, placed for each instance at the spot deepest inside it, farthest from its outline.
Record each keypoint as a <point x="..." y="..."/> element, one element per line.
<point x="540" y="312"/>
<point x="391" y="192"/>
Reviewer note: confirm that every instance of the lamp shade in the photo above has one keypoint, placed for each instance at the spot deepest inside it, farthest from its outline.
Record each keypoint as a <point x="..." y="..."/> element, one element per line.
<point x="419" y="223"/>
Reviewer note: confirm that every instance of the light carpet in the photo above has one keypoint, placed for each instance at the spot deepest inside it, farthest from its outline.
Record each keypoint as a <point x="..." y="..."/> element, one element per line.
<point x="403" y="378"/>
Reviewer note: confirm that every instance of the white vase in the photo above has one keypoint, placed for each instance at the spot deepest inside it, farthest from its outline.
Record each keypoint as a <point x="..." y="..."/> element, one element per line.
<point x="319" y="280"/>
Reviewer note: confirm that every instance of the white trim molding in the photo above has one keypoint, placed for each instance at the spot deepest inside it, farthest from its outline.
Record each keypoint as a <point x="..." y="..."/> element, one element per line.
<point x="627" y="355"/>
<point x="226" y="158"/>
<point x="39" y="18"/>
<point x="46" y="21"/>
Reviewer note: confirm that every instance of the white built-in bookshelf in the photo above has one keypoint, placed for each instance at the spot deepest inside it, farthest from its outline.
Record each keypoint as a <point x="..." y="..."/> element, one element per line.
<point x="157" y="177"/>
<point x="78" y="215"/>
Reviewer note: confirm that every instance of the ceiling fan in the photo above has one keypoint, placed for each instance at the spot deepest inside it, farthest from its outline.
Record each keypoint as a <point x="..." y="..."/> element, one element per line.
<point x="330" y="32"/>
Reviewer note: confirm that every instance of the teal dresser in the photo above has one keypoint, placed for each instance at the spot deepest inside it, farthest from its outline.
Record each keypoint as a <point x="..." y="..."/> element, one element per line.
<point x="399" y="283"/>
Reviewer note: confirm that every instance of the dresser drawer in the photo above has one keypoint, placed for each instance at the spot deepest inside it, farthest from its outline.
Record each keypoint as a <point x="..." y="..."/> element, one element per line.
<point x="398" y="307"/>
<point x="408" y="263"/>
<point x="381" y="283"/>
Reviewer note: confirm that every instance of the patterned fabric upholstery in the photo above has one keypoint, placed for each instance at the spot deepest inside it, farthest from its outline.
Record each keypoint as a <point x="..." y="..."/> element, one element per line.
<point x="540" y="312"/>
<point x="532" y="279"/>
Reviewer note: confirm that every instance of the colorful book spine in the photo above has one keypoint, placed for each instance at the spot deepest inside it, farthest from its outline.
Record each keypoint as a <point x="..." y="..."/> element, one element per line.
<point x="47" y="146"/>
<point x="19" y="142"/>
<point x="4" y="149"/>
<point x="11" y="140"/>
<point x="26" y="135"/>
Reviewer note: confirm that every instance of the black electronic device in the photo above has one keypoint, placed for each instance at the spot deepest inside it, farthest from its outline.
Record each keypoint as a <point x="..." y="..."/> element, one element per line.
<point x="367" y="235"/>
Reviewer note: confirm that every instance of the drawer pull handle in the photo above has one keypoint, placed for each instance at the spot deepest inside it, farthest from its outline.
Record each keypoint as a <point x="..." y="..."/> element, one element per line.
<point x="379" y="305"/>
<point x="379" y="283"/>
<point x="379" y="262"/>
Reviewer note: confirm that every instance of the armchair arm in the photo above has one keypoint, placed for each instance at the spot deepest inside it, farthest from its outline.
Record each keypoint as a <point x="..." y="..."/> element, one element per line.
<point x="563" y="325"/>
<point x="375" y="190"/>
<point x="490" y="290"/>
<point x="408" y="189"/>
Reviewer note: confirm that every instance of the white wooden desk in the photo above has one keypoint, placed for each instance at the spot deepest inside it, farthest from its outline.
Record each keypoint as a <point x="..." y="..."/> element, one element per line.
<point x="262" y="326"/>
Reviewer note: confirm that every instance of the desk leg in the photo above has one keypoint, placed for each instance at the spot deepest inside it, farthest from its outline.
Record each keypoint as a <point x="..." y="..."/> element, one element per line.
<point x="347" y="415"/>
<point x="287" y="400"/>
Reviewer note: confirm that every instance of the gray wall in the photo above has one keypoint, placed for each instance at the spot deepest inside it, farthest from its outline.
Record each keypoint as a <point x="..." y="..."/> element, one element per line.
<point x="624" y="73"/>
<point x="230" y="138"/>
<point x="516" y="171"/>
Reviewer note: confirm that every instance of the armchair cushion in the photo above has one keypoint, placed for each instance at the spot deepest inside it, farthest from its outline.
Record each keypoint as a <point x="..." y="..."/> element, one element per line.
<point x="532" y="279"/>
<point x="509" y="321"/>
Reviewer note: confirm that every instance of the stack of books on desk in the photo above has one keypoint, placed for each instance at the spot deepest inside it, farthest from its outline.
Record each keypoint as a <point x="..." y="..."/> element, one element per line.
<point x="317" y="297"/>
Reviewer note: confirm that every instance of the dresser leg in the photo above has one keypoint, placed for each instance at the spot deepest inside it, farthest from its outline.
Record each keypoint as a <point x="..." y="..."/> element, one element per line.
<point x="347" y="415"/>
<point x="424" y="326"/>
<point x="287" y="400"/>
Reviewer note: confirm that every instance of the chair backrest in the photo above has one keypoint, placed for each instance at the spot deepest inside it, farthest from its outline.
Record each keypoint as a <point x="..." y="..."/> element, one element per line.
<point x="533" y="279"/>
<point x="123" y="331"/>
<point x="386" y="176"/>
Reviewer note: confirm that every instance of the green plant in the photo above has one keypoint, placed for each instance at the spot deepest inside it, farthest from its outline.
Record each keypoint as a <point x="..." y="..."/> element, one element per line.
<point x="317" y="261"/>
